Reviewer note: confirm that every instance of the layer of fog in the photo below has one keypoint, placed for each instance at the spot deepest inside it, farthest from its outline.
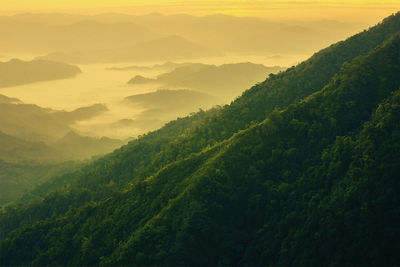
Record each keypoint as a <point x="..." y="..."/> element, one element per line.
<point x="97" y="84"/>
<point x="118" y="38"/>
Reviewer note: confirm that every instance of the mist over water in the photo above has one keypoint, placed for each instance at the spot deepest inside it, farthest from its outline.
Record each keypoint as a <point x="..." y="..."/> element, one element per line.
<point x="218" y="42"/>
<point x="96" y="84"/>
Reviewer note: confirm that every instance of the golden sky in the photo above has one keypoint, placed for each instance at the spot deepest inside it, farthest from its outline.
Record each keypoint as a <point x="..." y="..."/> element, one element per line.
<point x="274" y="9"/>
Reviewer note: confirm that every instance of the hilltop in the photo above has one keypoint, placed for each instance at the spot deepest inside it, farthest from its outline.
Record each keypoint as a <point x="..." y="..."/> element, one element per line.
<point x="17" y="72"/>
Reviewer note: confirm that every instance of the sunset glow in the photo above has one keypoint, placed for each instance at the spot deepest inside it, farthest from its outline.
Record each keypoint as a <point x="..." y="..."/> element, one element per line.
<point x="365" y="10"/>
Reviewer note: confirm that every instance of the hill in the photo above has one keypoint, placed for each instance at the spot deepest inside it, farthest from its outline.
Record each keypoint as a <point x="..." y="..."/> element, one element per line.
<point x="301" y="163"/>
<point x="9" y="100"/>
<point x="77" y="147"/>
<point x="226" y="81"/>
<point x="17" y="72"/>
<point x="167" y="66"/>
<point x="25" y="164"/>
<point x="165" y="105"/>
<point x="19" y="178"/>
<point x="34" y="123"/>
<point x="14" y="149"/>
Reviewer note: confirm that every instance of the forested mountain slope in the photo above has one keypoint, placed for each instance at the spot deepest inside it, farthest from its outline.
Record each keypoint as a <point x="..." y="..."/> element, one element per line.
<point x="315" y="184"/>
<point x="145" y="156"/>
<point x="24" y="165"/>
<point x="14" y="149"/>
<point x="17" y="178"/>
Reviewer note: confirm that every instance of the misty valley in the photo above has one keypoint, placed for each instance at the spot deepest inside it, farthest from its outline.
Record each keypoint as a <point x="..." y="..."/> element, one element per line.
<point x="183" y="140"/>
<point x="73" y="112"/>
<point x="58" y="111"/>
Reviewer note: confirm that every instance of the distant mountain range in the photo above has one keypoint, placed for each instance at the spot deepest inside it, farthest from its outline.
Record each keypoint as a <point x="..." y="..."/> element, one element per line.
<point x="82" y="34"/>
<point x="166" y="48"/>
<point x="17" y="72"/>
<point x="74" y="35"/>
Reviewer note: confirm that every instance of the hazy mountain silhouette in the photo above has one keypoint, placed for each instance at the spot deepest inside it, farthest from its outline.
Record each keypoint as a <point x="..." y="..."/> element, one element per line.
<point x="166" y="48"/>
<point x="47" y="33"/>
<point x="226" y="81"/>
<point x="230" y="33"/>
<point x="75" y="146"/>
<point x="245" y="34"/>
<point x="165" y="105"/>
<point x="13" y="149"/>
<point x="72" y="146"/>
<point x="17" y="72"/>
<point x="43" y="18"/>
<point x="35" y="123"/>
<point x="169" y="65"/>
<point x="45" y="37"/>
<point x="9" y="100"/>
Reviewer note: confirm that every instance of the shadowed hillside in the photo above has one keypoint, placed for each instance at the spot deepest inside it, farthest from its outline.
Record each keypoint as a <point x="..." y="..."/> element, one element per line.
<point x="17" y="179"/>
<point x="25" y="164"/>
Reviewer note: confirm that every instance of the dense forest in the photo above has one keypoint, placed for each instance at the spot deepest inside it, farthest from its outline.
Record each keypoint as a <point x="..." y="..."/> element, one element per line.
<point x="301" y="170"/>
<point x="38" y="143"/>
